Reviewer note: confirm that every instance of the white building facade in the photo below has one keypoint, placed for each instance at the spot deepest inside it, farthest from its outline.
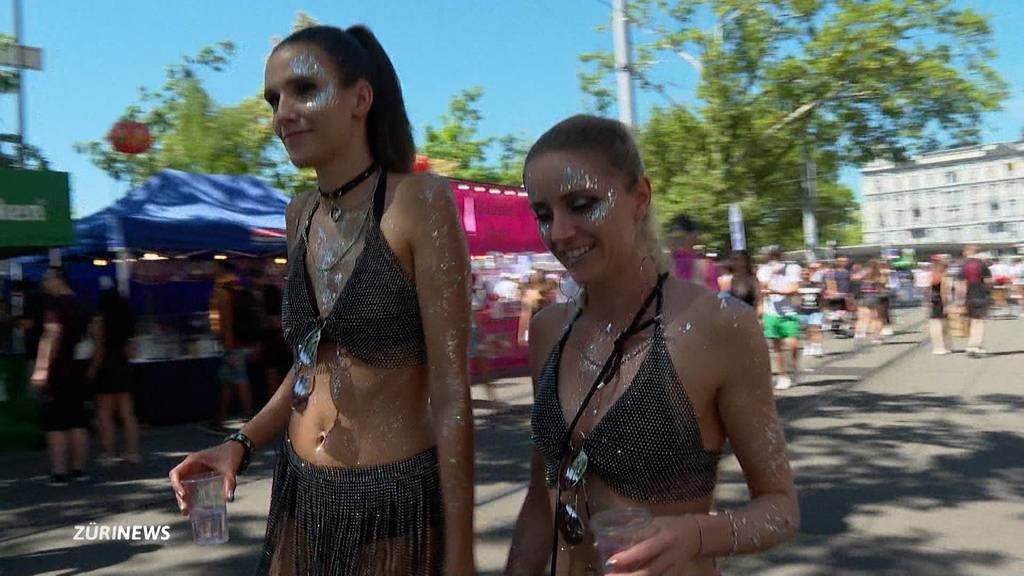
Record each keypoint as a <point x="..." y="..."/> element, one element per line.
<point x="972" y="194"/>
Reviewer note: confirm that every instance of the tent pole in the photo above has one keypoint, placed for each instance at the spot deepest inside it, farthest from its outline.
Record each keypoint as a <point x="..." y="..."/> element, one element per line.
<point x="123" y="269"/>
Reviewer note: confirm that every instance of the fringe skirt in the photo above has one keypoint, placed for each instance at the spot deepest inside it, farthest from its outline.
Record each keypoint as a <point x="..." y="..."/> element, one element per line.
<point x="384" y="520"/>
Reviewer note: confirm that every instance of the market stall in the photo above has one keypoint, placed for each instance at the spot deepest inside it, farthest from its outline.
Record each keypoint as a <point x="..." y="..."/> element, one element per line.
<point x="161" y="242"/>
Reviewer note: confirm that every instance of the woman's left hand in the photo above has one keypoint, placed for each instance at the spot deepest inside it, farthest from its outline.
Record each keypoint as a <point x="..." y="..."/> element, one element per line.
<point x="671" y="550"/>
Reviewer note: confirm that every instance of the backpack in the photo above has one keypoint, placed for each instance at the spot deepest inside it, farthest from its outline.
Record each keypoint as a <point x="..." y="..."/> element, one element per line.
<point x="246" y="323"/>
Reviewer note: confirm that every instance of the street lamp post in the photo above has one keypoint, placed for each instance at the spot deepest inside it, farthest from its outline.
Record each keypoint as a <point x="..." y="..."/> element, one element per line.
<point x="623" y="65"/>
<point x="21" y="85"/>
<point x="810" y="178"/>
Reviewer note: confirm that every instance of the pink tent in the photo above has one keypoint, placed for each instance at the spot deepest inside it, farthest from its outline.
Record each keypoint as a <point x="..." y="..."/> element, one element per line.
<point x="496" y="218"/>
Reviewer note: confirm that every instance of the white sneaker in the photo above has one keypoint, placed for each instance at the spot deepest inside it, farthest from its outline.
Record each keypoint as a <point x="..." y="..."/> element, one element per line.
<point x="940" y="352"/>
<point x="783" y="382"/>
<point x="887" y="331"/>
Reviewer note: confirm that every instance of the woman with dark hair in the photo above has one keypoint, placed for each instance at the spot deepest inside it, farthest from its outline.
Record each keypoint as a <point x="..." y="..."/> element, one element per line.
<point x="375" y="473"/>
<point x="110" y="370"/>
<point x="639" y="384"/>
<point x="743" y="282"/>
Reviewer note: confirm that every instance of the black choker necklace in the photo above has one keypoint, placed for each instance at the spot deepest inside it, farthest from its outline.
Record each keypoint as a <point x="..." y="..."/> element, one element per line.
<point x="346" y="188"/>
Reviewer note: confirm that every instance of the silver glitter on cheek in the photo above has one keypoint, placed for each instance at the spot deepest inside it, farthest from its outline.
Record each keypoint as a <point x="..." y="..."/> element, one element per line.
<point x="597" y="213"/>
<point x="576" y="179"/>
<point x="325" y="95"/>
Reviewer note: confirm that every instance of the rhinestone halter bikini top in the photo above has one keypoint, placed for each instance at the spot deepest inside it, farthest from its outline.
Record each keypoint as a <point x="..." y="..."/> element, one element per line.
<point x="376" y="317"/>
<point x="648" y="446"/>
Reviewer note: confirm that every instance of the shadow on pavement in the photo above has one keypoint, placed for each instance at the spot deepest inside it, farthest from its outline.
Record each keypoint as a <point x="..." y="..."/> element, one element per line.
<point x="851" y="466"/>
<point x="76" y="559"/>
<point x="31" y="505"/>
<point x="503" y="446"/>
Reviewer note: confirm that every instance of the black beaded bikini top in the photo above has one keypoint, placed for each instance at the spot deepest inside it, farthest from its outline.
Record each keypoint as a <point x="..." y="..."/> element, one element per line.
<point x="648" y="446"/>
<point x="376" y="317"/>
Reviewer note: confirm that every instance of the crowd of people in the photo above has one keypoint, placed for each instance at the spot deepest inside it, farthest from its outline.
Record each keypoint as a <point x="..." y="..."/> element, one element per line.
<point x="80" y="356"/>
<point x="800" y="304"/>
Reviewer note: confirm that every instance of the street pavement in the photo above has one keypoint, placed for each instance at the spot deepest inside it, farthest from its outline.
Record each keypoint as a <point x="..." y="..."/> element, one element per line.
<point x="906" y="463"/>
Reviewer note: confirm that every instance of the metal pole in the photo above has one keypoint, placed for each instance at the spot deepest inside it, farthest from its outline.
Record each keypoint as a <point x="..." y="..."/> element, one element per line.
<point x="19" y="77"/>
<point x="623" y="64"/>
<point x="810" y="195"/>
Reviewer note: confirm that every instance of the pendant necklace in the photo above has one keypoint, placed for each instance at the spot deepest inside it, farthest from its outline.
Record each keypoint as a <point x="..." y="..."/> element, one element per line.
<point x="328" y="262"/>
<point x="345" y="188"/>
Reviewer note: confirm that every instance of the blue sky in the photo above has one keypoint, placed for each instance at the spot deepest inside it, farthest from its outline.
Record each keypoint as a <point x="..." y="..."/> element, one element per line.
<point x="523" y="53"/>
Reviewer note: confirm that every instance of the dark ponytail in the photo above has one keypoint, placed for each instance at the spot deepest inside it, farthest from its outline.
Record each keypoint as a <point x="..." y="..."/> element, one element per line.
<point x="358" y="55"/>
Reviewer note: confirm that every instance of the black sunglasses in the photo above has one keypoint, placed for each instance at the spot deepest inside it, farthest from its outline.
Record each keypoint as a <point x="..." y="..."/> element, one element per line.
<point x="305" y="356"/>
<point x="568" y="519"/>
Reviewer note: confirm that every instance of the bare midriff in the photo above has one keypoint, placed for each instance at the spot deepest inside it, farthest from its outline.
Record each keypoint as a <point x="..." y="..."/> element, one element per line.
<point x="375" y="416"/>
<point x="582" y="560"/>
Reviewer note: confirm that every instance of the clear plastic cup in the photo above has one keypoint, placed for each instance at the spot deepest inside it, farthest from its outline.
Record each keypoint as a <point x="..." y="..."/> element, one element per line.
<point x="617" y="529"/>
<point x="207" y="510"/>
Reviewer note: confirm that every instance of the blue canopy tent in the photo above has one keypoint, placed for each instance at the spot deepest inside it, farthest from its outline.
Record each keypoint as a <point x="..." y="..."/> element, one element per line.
<point x="173" y="213"/>
<point x="180" y="212"/>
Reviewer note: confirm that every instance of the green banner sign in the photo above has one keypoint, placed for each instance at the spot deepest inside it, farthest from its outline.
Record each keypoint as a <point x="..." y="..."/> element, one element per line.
<point x="35" y="212"/>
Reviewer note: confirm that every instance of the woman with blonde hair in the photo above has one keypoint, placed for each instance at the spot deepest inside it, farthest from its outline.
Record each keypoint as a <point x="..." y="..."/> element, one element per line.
<point x="639" y="383"/>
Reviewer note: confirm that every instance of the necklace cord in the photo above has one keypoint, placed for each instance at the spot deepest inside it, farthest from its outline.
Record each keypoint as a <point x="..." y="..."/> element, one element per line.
<point x="603" y="377"/>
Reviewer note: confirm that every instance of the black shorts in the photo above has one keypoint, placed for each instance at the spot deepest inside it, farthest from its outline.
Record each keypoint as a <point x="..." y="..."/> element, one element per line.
<point x="938" y="309"/>
<point x="977" y="309"/>
<point x="63" y="413"/>
<point x="838" y="303"/>
<point x="114" y="378"/>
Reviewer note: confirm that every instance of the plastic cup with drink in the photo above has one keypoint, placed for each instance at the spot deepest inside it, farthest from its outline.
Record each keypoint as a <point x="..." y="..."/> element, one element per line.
<point x="617" y="529"/>
<point x="207" y="510"/>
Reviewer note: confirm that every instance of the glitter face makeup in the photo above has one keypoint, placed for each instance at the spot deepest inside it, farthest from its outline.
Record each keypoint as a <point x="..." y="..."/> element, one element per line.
<point x="324" y="94"/>
<point x="577" y="179"/>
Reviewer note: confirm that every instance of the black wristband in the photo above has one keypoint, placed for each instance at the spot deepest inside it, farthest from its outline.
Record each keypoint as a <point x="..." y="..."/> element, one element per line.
<point x="242" y="439"/>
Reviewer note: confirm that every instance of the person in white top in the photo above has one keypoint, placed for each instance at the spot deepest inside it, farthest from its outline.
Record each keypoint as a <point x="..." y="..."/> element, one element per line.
<point x="779" y="283"/>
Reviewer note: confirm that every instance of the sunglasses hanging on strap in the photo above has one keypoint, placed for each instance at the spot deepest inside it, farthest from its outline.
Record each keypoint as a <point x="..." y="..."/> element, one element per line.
<point x="568" y="521"/>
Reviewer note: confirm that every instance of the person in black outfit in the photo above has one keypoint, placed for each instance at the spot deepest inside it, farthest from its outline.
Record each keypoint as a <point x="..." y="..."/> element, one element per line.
<point x="743" y="284"/>
<point x="58" y="382"/>
<point x="938" y="296"/>
<point x="975" y="282"/>
<point x="640" y="383"/>
<point x="110" y="371"/>
<point x="274" y="355"/>
<point x="375" y="470"/>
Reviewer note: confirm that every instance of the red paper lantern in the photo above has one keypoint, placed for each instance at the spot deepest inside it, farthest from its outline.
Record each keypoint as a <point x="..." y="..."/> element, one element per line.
<point x="422" y="163"/>
<point x="130" y="137"/>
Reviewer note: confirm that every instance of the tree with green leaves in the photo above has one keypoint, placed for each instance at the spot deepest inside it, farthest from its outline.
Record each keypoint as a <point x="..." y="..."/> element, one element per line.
<point x="847" y="81"/>
<point x="190" y="131"/>
<point x="8" y="79"/>
<point x="457" y="141"/>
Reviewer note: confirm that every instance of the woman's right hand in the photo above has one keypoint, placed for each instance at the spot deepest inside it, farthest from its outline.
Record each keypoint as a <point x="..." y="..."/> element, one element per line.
<point x="224" y="459"/>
